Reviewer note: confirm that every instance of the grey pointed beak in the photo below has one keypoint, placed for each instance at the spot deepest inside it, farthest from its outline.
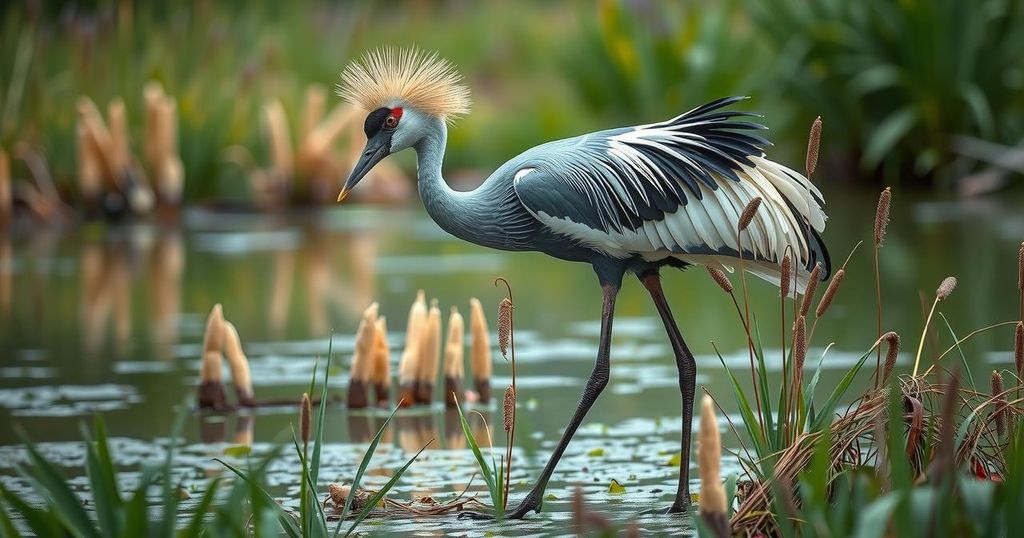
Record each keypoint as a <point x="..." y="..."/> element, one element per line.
<point x="376" y="149"/>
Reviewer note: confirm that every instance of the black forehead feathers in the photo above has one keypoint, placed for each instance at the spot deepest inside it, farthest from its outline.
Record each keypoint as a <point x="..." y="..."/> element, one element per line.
<point x="375" y="120"/>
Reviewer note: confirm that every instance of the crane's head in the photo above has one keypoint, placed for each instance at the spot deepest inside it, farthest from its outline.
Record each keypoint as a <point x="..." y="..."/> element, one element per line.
<point x="406" y="93"/>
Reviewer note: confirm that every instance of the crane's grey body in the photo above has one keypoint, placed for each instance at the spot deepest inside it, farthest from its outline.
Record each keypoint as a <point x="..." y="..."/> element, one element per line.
<point x="632" y="199"/>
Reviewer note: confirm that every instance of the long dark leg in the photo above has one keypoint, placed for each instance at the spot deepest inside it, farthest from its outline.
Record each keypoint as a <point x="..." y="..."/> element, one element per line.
<point x="687" y="382"/>
<point x="598" y="380"/>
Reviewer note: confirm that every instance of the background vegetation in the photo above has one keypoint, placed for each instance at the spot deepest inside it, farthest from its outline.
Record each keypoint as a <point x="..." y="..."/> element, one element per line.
<point x="904" y="86"/>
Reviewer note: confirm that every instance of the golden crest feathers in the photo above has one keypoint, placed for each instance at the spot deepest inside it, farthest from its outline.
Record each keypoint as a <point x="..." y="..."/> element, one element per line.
<point x="424" y="81"/>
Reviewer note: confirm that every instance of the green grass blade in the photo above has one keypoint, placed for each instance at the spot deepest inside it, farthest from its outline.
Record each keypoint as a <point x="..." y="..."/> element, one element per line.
<point x="749" y="420"/>
<point x="39" y="521"/>
<point x="963" y="358"/>
<point x="53" y="485"/>
<point x="363" y="464"/>
<point x="318" y="436"/>
<point x="195" y="524"/>
<point x="313" y="526"/>
<point x="383" y="491"/>
<point x="261" y="495"/>
<point x="829" y="407"/>
<point x="136" y="510"/>
<point x="762" y="380"/>
<point x="99" y="468"/>
<point x="485" y="469"/>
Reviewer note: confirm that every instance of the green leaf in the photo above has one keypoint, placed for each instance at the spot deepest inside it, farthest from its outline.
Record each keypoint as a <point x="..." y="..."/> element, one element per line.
<point x="195" y="525"/>
<point x="749" y="420"/>
<point x="103" y="482"/>
<point x="50" y="483"/>
<point x="675" y="461"/>
<point x="615" y="487"/>
<point x="887" y="134"/>
<point x="595" y="452"/>
<point x="874" y="520"/>
<point x="39" y="521"/>
<point x="377" y="497"/>
<point x="318" y="437"/>
<point x="963" y="358"/>
<point x="830" y="405"/>
<point x="237" y="451"/>
<point x="363" y="464"/>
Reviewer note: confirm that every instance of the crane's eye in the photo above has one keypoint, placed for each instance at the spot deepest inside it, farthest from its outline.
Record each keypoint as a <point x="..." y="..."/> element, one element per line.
<point x="391" y="121"/>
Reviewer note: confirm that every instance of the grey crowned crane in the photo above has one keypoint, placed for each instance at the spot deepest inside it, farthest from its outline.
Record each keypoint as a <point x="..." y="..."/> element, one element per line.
<point x="626" y="200"/>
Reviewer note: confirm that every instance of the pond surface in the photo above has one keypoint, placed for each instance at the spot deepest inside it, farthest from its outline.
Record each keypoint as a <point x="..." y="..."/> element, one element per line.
<point x="110" y="319"/>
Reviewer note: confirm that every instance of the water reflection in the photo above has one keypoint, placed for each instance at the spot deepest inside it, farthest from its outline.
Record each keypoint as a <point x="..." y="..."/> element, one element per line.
<point x="214" y="428"/>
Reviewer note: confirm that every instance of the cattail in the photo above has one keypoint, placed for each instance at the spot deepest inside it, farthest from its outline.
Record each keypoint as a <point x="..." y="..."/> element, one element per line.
<point x="945" y="288"/>
<point x="282" y="161"/>
<point x="480" y="349"/>
<point x="239" y="363"/>
<point x="305" y="412"/>
<point x="830" y="293"/>
<point x="454" y="358"/>
<point x="787" y="274"/>
<point x="811" y="289"/>
<point x="709" y="457"/>
<point x="813" y="145"/>
<point x="999" y="413"/>
<point x="1018" y="349"/>
<point x="211" y="372"/>
<point x="90" y="180"/>
<point x="5" y="188"/>
<point x="117" y="118"/>
<point x="799" y="345"/>
<point x="882" y="215"/>
<point x="363" y="359"/>
<point x="508" y="408"/>
<point x="748" y="213"/>
<point x="893" y="341"/>
<point x="431" y="355"/>
<point x="1020" y="268"/>
<point x="409" y="364"/>
<point x="381" y="376"/>
<point x="504" y="325"/>
<point x="719" y="276"/>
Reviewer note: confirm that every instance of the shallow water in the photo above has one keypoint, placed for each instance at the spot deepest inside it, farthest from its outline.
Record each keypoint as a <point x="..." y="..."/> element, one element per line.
<point x="111" y="319"/>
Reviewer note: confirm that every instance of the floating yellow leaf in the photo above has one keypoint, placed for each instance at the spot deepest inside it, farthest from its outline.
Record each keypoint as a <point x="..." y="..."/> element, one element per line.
<point x="675" y="461"/>
<point x="596" y="452"/>
<point x="695" y="498"/>
<point x="550" y="497"/>
<point x="616" y="487"/>
<point x="237" y="451"/>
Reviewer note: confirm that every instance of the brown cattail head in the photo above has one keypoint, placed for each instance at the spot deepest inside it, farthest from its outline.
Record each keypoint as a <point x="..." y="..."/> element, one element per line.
<point x="454" y="349"/>
<point x="381" y="371"/>
<point x="504" y="325"/>
<point x="5" y="188"/>
<point x="945" y="288"/>
<point x="480" y="347"/>
<point x="709" y="457"/>
<point x="366" y="337"/>
<point x="811" y="289"/>
<point x="1018" y="349"/>
<point x="999" y="412"/>
<point x="305" y="412"/>
<point x="882" y="215"/>
<point x="239" y="363"/>
<point x="1020" y="267"/>
<point x="719" y="276"/>
<point x="893" y="341"/>
<point x="786" y="274"/>
<point x="748" y="214"/>
<point x="508" y="408"/>
<point x="830" y="293"/>
<point x="799" y="345"/>
<point x="813" y="146"/>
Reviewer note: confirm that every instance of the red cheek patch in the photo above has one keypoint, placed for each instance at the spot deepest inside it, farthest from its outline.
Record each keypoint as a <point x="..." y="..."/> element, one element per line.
<point x="396" y="112"/>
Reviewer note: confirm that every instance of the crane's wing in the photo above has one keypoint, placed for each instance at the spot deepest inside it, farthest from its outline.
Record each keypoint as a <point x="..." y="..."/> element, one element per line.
<point x="677" y="189"/>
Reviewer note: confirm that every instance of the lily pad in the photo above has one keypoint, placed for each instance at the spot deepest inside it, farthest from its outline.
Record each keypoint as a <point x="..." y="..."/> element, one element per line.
<point x="616" y="488"/>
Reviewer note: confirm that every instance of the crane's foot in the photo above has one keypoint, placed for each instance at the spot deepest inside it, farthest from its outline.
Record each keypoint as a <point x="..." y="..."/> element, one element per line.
<point x="676" y="508"/>
<point x="529" y="504"/>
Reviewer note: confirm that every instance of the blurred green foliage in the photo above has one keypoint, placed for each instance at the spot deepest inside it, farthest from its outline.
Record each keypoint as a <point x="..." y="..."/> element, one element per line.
<point x="895" y="80"/>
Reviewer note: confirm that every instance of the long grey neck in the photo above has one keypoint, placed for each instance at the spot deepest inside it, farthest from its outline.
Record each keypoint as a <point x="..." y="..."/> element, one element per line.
<point x="470" y="215"/>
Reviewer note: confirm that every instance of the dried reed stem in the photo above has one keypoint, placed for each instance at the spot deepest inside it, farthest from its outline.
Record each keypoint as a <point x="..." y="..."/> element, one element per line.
<point x="241" y="377"/>
<point x="381" y="376"/>
<point x="480" y="349"/>
<point x="719" y="277"/>
<point x="454" y="358"/>
<point x="713" y="504"/>
<point x="941" y="293"/>
<point x="813" y="146"/>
